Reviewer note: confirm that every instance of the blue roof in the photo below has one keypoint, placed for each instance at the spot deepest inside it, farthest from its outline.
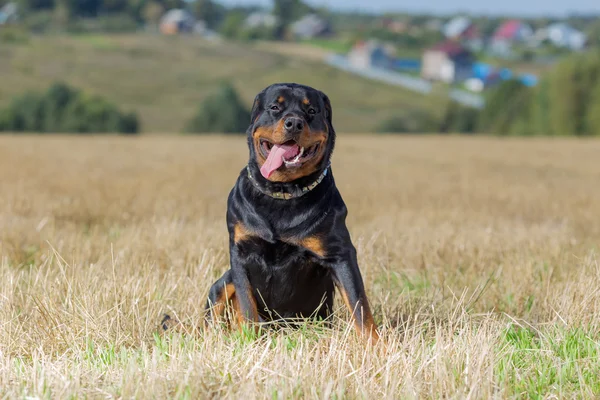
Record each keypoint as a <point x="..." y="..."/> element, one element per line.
<point x="482" y="71"/>
<point x="506" y="73"/>
<point x="528" y="80"/>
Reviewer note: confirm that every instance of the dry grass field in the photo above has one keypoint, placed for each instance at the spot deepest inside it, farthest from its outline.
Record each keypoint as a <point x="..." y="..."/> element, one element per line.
<point x="480" y="256"/>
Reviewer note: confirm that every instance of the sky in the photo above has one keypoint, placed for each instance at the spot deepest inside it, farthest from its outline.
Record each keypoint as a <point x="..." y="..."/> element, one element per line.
<point x="492" y="7"/>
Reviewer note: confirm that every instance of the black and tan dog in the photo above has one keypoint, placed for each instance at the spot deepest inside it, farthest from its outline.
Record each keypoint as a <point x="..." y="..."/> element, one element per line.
<point x="288" y="241"/>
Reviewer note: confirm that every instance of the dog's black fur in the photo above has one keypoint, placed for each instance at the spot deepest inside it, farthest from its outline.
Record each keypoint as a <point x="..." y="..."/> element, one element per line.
<point x="287" y="256"/>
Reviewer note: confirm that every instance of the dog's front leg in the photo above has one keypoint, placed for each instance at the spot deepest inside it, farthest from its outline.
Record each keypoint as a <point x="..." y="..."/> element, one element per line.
<point x="244" y="301"/>
<point x="350" y="284"/>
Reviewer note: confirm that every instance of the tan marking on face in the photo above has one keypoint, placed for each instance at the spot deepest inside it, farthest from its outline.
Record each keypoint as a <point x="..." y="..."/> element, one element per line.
<point x="305" y="101"/>
<point x="276" y="134"/>
<point x="281" y="99"/>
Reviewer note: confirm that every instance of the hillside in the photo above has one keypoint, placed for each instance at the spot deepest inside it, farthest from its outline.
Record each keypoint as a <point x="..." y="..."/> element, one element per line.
<point x="165" y="78"/>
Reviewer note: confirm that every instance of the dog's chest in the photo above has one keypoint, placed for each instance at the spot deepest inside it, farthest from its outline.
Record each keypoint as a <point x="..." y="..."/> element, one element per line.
<point x="283" y="255"/>
<point x="287" y="277"/>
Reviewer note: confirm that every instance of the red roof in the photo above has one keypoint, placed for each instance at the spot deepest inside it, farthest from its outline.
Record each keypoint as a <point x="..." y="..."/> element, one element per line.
<point x="471" y="33"/>
<point x="508" y="30"/>
<point x="450" y="48"/>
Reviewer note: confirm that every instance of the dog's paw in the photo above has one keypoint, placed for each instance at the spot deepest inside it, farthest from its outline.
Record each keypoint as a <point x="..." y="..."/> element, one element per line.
<point x="172" y="324"/>
<point x="168" y="323"/>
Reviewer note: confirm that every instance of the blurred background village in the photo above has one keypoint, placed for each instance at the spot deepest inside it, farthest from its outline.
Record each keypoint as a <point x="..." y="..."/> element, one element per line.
<point x="170" y="66"/>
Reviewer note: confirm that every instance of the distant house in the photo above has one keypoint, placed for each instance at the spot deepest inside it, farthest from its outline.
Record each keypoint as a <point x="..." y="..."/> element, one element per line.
<point x="407" y="64"/>
<point x="311" y="26"/>
<point x="177" y="21"/>
<point x="463" y="30"/>
<point x="447" y="62"/>
<point x="459" y="28"/>
<point x="260" y="20"/>
<point x="371" y="54"/>
<point x="394" y="25"/>
<point x="484" y="76"/>
<point x="479" y="84"/>
<point x="561" y="34"/>
<point x="434" y="24"/>
<point x="513" y="30"/>
<point x="8" y="13"/>
<point x="509" y="33"/>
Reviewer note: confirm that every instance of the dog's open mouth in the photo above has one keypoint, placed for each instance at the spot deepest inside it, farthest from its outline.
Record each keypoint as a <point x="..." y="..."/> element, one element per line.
<point x="288" y="153"/>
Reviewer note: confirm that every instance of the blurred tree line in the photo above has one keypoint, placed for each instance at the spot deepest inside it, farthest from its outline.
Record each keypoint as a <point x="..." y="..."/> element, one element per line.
<point x="565" y="102"/>
<point x="65" y="109"/>
<point x="111" y="15"/>
<point x="129" y="15"/>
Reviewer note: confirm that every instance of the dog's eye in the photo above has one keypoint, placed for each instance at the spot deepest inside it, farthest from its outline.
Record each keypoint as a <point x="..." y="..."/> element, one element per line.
<point x="312" y="111"/>
<point x="275" y="108"/>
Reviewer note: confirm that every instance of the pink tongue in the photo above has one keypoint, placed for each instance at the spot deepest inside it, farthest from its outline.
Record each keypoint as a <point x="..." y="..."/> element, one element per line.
<point x="276" y="156"/>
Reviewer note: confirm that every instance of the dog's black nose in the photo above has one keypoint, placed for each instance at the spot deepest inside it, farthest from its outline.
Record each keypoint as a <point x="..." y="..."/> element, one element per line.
<point x="293" y="124"/>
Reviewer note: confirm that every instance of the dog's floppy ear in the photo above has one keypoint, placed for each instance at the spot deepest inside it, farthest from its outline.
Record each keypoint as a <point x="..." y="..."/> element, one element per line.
<point x="257" y="106"/>
<point x="328" y="112"/>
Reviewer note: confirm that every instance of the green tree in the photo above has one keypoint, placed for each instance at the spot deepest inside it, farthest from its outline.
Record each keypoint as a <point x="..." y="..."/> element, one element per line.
<point x="504" y="105"/>
<point x="288" y="11"/>
<point x="25" y="113"/>
<point x="459" y="119"/>
<point x="233" y="24"/>
<point x="594" y="34"/>
<point x="540" y="110"/>
<point x="562" y="92"/>
<point x="565" y="102"/>
<point x="593" y="115"/>
<point x="112" y="6"/>
<point x="57" y="99"/>
<point x="221" y="112"/>
<point x="208" y="11"/>
<point x="169" y="4"/>
<point x="63" y="12"/>
<point x="152" y="12"/>
<point x="37" y="5"/>
<point x="65" y="109"/>
<point x="571" y="84"/>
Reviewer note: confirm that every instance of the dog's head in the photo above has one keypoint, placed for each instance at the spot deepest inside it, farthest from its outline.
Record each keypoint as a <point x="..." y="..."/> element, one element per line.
<point x="291" y="135"/>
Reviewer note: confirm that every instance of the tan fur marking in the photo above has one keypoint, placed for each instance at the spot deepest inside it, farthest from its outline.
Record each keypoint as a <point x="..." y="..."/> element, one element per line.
<point x="240" y="233"/>
<point x="305" y="101"/>
<point x="308" y="138"/>
<point x="313" y="244"/>
<point x="366" y="327"/>
<point x="274" y="134"/>
<point x="241" y="320"/>
<point x="280" y="99"/>
<point x="227" y="294"/>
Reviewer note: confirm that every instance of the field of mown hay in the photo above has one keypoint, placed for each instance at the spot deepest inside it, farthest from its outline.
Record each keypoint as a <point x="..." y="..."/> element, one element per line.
<point x="480" y="257"/>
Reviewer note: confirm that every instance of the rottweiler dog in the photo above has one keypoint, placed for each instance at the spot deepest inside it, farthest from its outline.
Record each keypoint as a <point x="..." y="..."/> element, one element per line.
<point x="288" y="241"/>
